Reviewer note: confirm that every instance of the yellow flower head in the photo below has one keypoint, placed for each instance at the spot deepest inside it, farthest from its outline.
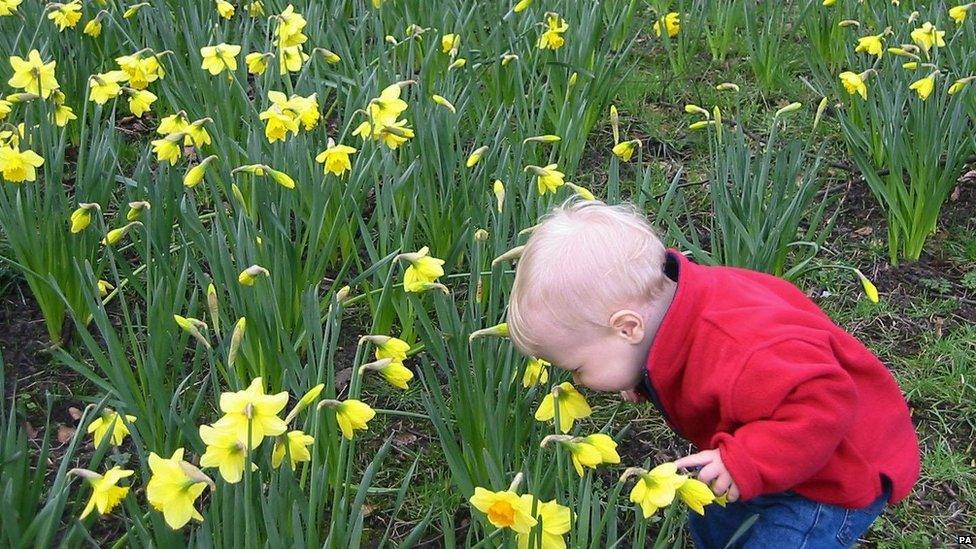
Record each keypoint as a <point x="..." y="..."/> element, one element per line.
<point x="256" y="62"/>
<point x="219" y="57"/>
<point x="335" y="159"/>
<point x="928" y="36"/>
<point x="423" y="269"/>
<point x="625" y="150"/>
<point x="288" y="32"/>
<point x="606" y="446"/>
<point x="173" y="491"/>
<point x="33" y="75"/>
<point x="871" y="45"/>
<point x="109" y="425"/>
<point x="536" y="371"/>
<point x="141" y="71"/>
<point x="396" y="374"/>
<point x="353" y="415"/>
<point x="226" y="450"/>
<point x="958" y="13"/>
<point x="194" y="175"/>
<point x="924" y="86"/>
<point x="552" y="38"/>
<point x="854" y="83"/>
<point x="548" y="178"/>
<point x="670" y="22"/>
<point x="696" y="495"/>
<point x="389" y="347"/>
<point x="93" y="28"/>
<point x="571" y="404"/>
<point x="102" y="87"/>
<point x="657" y="488"/>
<point x="504" y="509"/>
<point x="555" y="523"/>
<point x="17" y="166"/>
<point x="168" y="148"/>
<point x="251" y="408"/>
<point x="297" y="444"/>
<point x="66" y="16"/>
<point x="141" y="101"/>
<point x="225" y="9"/>
<point x="9" y="7"/>
<point x="105" y="492"/>
<point x="450" y="43"/>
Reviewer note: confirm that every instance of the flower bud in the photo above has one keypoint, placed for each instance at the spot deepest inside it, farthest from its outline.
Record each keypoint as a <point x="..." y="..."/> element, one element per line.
<point x="235" y="341"/>
<point x="476" y="156"/>
<point x="498" y="330"/>
<point x="136" y="209"/>
<point x="444" y="103"/>
<point x="249" y="275"/>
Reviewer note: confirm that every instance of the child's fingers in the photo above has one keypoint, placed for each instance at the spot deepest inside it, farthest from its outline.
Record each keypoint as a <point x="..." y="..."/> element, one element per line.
<point x="722" y="484"/>
<point x="733" y="494"/>
<point x="694" y="460"/>
<point x="709" y="473"/>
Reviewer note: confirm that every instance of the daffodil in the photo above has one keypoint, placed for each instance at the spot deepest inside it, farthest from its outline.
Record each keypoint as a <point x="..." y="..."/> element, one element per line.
<point x="225" y="450"/>
<point x="498" y="189"/>
<point x="297" y="444"/>
<point x="450" y="43"/>
<point x="5" y="108"/>
<point x="249" y="276"/>
<point x="536" y="372"/>
<point x="521" y="6"/>
<point x="871" y="45"/>
<point x="251" y="409"/>
<point x="924" y="86"/>
<point x="854" y="84"/>
<point x="173" y="491"/>
<point x="66" y="16"/>
<point x="695" y="494"/>
<point x="548" y="178"/>
<point x="110" y="424"/>
<point x="63" y="114"/>
<point x="555" y="520"/>
<point x="291" y="59"/>
<point x="9" y="7"/>
<point x="225" y="9"/>
<point x="278" y="124"/>
<point x="671" y="23"/>
<point x="255" y="9"/>
<point x="422" y="269"/>
<point x="194" y="175"/>
<point x="605" y="445"/>
<point x="570" y="403"/>
<point x="928" y="36"/>
<point x="93" y="28"/>
<point x="141" y="70"/>
<point x="140" y="101"/>
<point x="81" y="217"/>
<point x="33" y="75"/>
<point x="657" y="488"/>
<point x="17" y="166"/>
<point x="505" y="509"/>
<point x="388" y="347"/>
<point x="960" y="84"/>
<point x="335" y="158"/>
<point x="257" y="62"/>
<point x="115" y="235"/>
<point x="475" y="156"/>
<point x="583" y="455"/>
<point x="625" y="150"/>
<point x="290" y="27"/>
<point x="828" y="3"/>
<point x="104" y="287"/>
<point x="132" y="10"/>
<point x="958" y="13"/>
<point x="552" y="38"/>
<point x="351" y="415"/>
<point x="393" y="371"/>
<point x="870" y="289"/>
<point x="105" y="86"/>
<point x="168" y="148"/>
<point x="106" y="494"/>
<point x="220" y="57"/>
<point x="136" y="208"/>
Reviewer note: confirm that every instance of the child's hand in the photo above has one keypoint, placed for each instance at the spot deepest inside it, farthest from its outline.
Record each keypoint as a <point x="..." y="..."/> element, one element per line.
<point x="712" y="472"/>
<point x="632" y="396"/>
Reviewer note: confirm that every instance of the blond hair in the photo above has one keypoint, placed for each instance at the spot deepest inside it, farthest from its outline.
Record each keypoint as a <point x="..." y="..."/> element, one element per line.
<point x="583" y="261"/>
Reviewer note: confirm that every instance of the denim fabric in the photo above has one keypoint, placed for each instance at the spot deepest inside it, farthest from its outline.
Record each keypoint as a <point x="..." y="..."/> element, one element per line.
<point x="785" y="520"/>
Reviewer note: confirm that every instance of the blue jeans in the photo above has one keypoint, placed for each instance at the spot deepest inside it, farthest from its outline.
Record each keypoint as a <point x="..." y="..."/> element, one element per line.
<point x="786" y="520"/>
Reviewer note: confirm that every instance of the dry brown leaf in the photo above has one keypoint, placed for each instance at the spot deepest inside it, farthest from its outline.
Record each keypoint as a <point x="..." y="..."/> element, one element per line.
<point x="65" y="433"/>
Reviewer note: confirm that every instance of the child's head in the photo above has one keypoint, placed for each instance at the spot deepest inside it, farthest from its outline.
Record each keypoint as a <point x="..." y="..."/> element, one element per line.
<point x="585" y="292"/>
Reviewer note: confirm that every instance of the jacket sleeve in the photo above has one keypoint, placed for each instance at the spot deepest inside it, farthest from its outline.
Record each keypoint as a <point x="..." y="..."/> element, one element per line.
<point x="793" y="403"/>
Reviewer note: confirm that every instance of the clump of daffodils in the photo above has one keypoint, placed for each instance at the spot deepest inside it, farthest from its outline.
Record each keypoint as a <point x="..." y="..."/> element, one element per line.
<point x="286" y="115"/>
<point x="383" y="123"/>
<point x="658" y="487"/>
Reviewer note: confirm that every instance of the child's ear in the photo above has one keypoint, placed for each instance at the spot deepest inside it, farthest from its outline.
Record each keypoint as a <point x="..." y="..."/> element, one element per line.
<point x="628" y="324"/>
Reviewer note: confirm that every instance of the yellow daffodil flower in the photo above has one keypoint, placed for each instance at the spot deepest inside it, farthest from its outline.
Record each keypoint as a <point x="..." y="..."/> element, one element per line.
<point x="297" y="444"/>
<point x="388" y="347"/>
<point x="521" y="6"/>
<point x="958" y="13"/>
<point x="255" y="9"/>
<point x="924" y="86"/>
<point x="928" y="36"/>
<point x="174" y="487"/>
<point x="670" y="22"/>
<point x="605" y="445"/>
<point x="249" y="276"/>
<point x="960" y="84"/>
<point x="33" y="75"/>
<point x="475" y="156"/>
<point x="657" y="488"/>
<point x="450" y="43"/>
<point x="552" y="38"/>
<point x="106" y="494"/>
<point x="104" y="287"/>
<point x="141" y="71"/>
<point x="195" y="174"/>
<point x="548" y="178"/>
<point x="572" y="406"/>
<point x="257" y="62"/>
<point x="5" y="108"/>
<point x="109" y="425"/>
<point x="225" y="9"/>
<point x="583" y="455"/>
<point x="252" y="409"/>
<point x="625" y="150"/>
<point x="278" y="124"/>
<point x="66" y="16"/>
<point x="505" y="509"/>
<point x="132" y="10"/>
<point x="555" y="520"/>
<point x="871" y="45"/>
<point x="9" y="7"/>
<point x="352" y="415"/>
<point x="226" y="451"/>
<point x="695" y="494"/>
<point x="854" y="84"/>
<point x="168" y="148"/>
<point x="140" y="101"/>
<point x="93" y="28"/>
<point x="335" y="158"/>
<point x="81" y="218"/>
<point x="536" y="372"/>
<point x="397" y="375"/>
<point x="219" y="57"/>
<point x="105" y="86"/>
<point x="288" y="32"/>
<point x="115" y="235"/>
<point x="17" y="166"/>
<point x="63" y="114"/>
<point x="422" y="269"/>
<point x="291" y="59"/>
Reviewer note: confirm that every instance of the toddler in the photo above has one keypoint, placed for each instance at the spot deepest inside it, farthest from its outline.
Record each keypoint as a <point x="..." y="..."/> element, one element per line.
<point x="794" y="419"/>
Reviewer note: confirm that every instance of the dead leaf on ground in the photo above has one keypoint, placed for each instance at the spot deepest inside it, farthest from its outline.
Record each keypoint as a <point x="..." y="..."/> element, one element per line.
<point x="864" y="231"/>
<point x="65" y="433"/>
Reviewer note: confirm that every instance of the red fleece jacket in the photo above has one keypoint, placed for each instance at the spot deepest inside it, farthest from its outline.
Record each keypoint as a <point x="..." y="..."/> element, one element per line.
<point x="746" y="363"/>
